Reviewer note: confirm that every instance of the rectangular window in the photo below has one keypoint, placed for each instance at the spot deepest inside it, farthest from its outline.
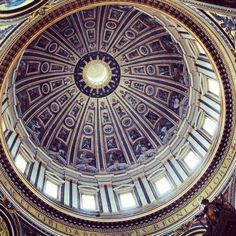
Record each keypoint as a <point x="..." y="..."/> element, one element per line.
<point x="21" y="163"/>
<point x="209" y="126"/>
<point x="127" y="200"/>
<point x="191" y="160"/>
<point x="88" y="202"/>
<point x="213" y="86"/>
<point x="51" y="189"/>
<point x="200" y="48"/>
<point x="163" y="185"/>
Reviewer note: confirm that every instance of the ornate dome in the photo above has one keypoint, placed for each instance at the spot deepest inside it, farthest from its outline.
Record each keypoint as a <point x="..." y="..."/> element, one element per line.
<point x="115" y="117"/>
<point x="99" y="97"/>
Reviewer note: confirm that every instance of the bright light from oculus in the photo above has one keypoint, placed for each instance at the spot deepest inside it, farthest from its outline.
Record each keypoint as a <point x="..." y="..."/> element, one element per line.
<point x="209" y="126"/>
<point x="127" y="200"/>
<point x="51" y="189"/>
<point x="88" y="202"/>
<point x="97" y="74"/>
<point x="163" y="185"/>
<point x="20" y="163"/>
<point x="191" y="160"/>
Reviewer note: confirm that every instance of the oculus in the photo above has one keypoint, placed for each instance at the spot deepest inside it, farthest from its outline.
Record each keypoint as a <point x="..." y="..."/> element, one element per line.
<point x="97" y="74"/>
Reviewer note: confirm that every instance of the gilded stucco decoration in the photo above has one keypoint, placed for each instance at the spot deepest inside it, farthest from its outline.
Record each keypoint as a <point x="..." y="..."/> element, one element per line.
<point x="124" y="133"/>
<point x="133" y="117"/>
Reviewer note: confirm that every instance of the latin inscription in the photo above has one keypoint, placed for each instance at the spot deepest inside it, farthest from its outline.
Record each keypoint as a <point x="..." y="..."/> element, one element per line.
<point x="157" y="226"/>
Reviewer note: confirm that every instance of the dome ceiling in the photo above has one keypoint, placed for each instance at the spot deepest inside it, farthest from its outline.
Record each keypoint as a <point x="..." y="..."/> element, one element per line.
<point x="111" y="126"/>
<point x="116" y="119"/>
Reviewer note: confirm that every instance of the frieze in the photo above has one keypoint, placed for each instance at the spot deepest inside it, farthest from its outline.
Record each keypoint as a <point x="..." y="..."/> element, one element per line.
<point x="156" y="226"/>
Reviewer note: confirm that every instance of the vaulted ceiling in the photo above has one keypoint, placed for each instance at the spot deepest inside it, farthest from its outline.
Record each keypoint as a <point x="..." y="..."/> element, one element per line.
<point x="115" y="117"/>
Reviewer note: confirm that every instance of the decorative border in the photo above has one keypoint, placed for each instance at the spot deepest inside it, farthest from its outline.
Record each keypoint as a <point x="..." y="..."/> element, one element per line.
<point x="154" y="222"/>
